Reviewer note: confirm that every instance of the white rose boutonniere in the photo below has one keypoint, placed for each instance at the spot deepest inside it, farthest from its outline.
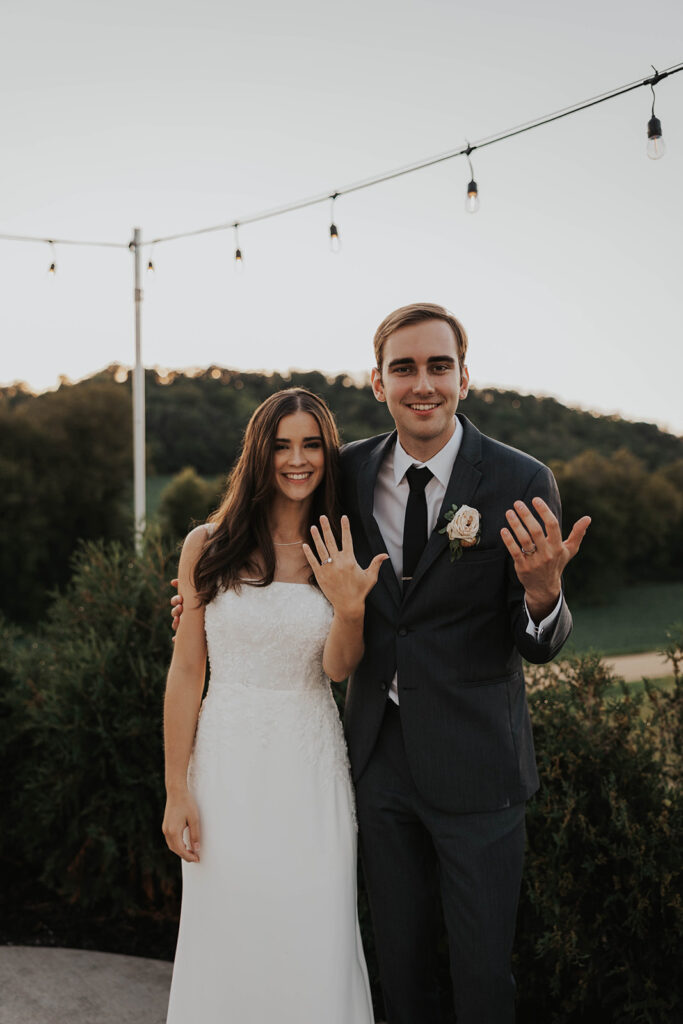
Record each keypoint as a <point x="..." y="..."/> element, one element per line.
<point x="463" y="527"/>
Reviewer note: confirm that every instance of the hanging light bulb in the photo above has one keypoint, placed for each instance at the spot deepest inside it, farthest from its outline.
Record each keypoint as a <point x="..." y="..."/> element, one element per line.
<point x="472" y="198"/>
<point x="655" y="143"/>
<point x="335" y="243"/>
<point x="52" y="269"/>
<point x="239" y="261"/>
<point x="150" y="263"/>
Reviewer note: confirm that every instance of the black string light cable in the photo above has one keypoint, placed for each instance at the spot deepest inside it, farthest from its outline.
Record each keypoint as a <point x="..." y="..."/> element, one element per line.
<point x="654" y="136"/>
<point x="64" y="241"/>
<point x="510" y="133"/>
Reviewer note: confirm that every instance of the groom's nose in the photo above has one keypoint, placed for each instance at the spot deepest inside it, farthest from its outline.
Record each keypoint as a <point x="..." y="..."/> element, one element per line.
<point x="422" y="382"/>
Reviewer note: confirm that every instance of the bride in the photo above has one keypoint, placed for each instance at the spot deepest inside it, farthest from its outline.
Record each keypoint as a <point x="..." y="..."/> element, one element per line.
<point x="260" y="805"/>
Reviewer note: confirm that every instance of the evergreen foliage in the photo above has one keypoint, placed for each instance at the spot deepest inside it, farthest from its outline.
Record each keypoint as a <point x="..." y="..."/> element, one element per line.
<point x="186" y="501"/>
<point x="81" y="737"/>
<point x="600" y="932"/>
<point x="600" y="929"/>
<point x="65" y="476"/>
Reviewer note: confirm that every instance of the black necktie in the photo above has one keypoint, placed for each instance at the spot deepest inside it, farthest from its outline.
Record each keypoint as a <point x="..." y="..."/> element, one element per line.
<point x="415" y="525"/>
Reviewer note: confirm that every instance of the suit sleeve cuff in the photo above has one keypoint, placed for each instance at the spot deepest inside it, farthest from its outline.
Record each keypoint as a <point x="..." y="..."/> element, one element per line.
<point x="537" y="632"/>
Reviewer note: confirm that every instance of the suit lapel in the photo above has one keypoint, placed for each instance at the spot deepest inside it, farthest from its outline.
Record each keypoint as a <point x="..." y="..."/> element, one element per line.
<point x="367" y="477"/>
<point x="461" y="489"/>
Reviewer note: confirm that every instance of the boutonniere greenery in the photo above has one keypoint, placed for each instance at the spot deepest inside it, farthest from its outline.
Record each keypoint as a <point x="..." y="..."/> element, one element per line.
<point x="463" y="526"/>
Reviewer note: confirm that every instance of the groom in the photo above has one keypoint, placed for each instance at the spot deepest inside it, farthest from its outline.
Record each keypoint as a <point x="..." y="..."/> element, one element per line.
<point x="436" y="714"/>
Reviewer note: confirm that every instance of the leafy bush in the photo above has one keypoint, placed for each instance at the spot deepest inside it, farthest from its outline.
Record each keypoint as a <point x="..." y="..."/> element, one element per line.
<point x="186" y="501"/>
<point x="600" y="929"/>
<point x="81" y="738"/>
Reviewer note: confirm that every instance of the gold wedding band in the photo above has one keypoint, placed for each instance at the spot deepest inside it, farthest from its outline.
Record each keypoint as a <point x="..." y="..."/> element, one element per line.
<point x="532" y="550"/>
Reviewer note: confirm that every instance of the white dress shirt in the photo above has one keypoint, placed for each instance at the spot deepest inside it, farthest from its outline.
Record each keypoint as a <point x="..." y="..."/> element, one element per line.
<point x="389" y="509"/>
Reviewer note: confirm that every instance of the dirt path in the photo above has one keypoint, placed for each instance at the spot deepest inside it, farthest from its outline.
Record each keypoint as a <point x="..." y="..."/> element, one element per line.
<point x="635" y="666"/>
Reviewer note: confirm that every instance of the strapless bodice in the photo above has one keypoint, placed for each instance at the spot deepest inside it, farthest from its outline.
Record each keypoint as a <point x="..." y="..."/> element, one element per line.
<point x="268" y="637"/>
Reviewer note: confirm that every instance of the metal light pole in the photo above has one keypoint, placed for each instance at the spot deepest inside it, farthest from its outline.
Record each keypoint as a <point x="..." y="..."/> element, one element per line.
<point x="138" y="405"/>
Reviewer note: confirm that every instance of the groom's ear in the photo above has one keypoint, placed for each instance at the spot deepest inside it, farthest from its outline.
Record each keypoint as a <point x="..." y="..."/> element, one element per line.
<point x="377" y="386"/>
<point x="464" y="382"/>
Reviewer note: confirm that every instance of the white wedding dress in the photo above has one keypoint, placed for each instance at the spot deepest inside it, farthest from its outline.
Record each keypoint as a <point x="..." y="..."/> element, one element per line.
<point x="269" y="928"/>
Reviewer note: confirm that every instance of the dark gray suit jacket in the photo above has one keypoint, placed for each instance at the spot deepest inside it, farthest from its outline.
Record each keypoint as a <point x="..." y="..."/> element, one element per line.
<point x="457" y="636"/>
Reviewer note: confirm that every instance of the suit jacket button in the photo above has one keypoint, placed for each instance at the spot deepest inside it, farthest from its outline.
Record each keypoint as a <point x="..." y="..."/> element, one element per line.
<point x="403" y="631"/>
<point x="383" y="687"/>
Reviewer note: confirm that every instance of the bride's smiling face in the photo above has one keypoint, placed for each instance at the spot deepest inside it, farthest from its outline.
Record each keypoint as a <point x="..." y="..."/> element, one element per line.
<point x="299" y="456"/>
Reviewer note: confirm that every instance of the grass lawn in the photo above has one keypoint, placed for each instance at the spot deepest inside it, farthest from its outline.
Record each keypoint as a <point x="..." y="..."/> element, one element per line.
<point x="637" y="686"/>
<point x="155" y="485"/>
<point x="635" y="620"/>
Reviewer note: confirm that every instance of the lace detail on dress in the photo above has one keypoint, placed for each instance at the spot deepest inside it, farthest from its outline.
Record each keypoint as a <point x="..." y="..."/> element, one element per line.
<point x="265" y="650"/>
<point x="270" y="637"/>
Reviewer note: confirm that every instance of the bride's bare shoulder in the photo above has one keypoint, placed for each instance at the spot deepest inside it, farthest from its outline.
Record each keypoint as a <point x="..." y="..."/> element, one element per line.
<point x="195" y="541"/>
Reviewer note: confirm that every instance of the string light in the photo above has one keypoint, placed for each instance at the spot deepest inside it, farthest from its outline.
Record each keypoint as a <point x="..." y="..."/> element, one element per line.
<point x="655" y="143"/>
<point x="239" y="262"/>
<point x="335" y="244"/>
<point x="52" y="269"/>
<point x="655" y="149"/>
<point x="472" y="198"/>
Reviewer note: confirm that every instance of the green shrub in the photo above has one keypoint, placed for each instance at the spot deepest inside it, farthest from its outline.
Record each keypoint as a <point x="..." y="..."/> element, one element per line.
<point x="600" y="928"/>
<point x="186" y="501"/>
<point x="81" y="735"/>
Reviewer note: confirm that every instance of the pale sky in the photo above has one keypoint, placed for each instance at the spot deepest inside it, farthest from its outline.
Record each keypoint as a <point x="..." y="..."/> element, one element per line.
<point x="173" y="116"/>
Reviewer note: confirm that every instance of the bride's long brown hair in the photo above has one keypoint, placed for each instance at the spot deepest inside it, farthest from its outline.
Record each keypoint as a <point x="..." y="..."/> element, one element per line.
<point x="242" y="521"/>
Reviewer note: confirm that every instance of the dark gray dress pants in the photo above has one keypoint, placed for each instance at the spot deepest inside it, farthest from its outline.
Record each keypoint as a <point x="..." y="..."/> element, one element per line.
<point x="415" y="856"/>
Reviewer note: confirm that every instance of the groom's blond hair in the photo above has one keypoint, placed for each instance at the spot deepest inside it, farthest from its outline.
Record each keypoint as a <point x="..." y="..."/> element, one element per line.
<point x="417" y="313"/>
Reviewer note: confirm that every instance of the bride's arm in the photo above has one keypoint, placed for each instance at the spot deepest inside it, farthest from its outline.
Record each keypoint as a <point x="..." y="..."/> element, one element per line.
<point x="345" y="585"/>
<point x="184" y="687"/>
<point x="344" y="645"/>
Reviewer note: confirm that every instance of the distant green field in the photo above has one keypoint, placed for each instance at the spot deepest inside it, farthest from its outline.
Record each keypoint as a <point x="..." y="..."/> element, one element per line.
<point x="636" y="620"/>
<point x="155" y="485"/>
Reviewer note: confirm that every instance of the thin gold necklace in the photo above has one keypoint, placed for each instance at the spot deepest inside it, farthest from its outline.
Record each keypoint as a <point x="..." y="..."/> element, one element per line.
<point x="287" y="544"/>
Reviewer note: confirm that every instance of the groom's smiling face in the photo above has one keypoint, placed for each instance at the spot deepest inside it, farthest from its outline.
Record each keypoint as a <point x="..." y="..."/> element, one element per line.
<point x="421" y="382"/>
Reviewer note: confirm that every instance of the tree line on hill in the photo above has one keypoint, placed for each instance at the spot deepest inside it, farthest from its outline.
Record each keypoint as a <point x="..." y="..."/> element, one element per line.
<point x="66" y="468"/>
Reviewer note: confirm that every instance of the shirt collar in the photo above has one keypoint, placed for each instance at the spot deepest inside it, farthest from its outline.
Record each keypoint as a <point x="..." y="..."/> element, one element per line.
<point x="440" y="464"/>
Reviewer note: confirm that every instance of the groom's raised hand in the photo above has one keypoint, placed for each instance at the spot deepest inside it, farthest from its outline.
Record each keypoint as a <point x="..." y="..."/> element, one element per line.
<point x="539" y="553"/>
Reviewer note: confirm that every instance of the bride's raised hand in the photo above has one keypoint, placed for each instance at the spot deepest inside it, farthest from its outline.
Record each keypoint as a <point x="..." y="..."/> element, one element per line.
<point x="339" y="576"/>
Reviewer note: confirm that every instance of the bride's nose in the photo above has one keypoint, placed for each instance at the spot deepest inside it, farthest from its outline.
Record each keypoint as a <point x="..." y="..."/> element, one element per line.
<point x="297" y="456"/>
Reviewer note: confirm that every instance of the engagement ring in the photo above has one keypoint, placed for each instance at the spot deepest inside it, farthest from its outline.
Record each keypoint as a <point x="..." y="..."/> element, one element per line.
<point x="531" y="550"/>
